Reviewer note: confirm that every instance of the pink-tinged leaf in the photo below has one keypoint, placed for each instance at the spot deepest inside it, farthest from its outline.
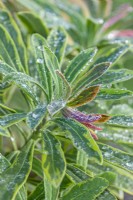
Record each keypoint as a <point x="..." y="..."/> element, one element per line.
<point x="92" y="126"/>
<point x="85" y="96"/>
<point x="81" y="117"/>
<point x="93" y="134"/>
<point x="122" y="12"/>
<point x="124" y="33"/>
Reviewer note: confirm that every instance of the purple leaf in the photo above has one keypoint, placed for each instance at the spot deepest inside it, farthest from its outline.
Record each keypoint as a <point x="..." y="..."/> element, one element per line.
<point x="81" y="117"/>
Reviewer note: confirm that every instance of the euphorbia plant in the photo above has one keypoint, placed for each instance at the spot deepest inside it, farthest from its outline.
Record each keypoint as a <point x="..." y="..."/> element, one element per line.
<point x="60" y="152"/>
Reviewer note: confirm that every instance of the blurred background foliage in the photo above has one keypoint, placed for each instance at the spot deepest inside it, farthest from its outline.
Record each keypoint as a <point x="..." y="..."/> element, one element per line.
<point x="89" y="23"/>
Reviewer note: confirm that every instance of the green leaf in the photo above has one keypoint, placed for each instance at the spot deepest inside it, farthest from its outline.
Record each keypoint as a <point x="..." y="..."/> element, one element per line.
<point x="4" y="132"/>
<point x="65" y="88"/>
<point x="117" y="157"/>
<point x="35" y="117"/>
<point x="5" y="68"/>
<point x="15" y="176"/>
<point x="75" y="174"/>
<point x="84" y="97"/>
<point x="38" y="193"/>
<point x="124" y="179"/>
<point x="12" y="156"/>
<point x="121" y="120"/>
<point x="111" y="55"/>
<point x="44" y="76"/>
<point x="80" y="137"/>
<point x="51" y="192"/>
<point x="82" y="159"/>
<point x="11" y="119"/>
<point x="8" y="22"/>
<point x="53" y="160"/>
<point x="33" y="22"/>
<point x="19" y="77"/>
<point x="109" y="176"/>
<point x="22" y="194"/>
<point x="112" y="93"/>
<point x="37" y="167"/>
<point x="52" y="64"/>
<point x="4" y="163"/>
<point x="106" y="195"/>
<point x="78" y="64"/>
<point x="91" y="189"/>
<point x="57" y="42"/>
<point x="90" y="76"/>
<point x="116" y="135"/>
<point x="91" y="27"/>
<point x="24" y="82"/>
<point x="114" y="76"/>
<point x="8" y="50"/>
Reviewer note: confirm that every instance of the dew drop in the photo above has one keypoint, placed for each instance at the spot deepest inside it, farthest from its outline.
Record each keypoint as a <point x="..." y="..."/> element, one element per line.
<point x="40" y="61"/>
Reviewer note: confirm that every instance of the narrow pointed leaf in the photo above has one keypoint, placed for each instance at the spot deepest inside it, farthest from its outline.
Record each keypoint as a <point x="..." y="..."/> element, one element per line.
<point x="5" y="68"/>
<point x="51" y="192"/>
<point x="11" y="119"/>
<point x="116" y="135"/>
<point x="37" y="167"/>
<point x="44" y="76"/>
<point x="121" y="120"/>
<point x="109" y="176"/>
<point x="36" y="116"/>
<point x="82" y="159"/>
<point x="24" y="82"/>
<point x="15" y="176"/>
<point x="110" y="94"/>
<point x="78" y="64"/>
<point x="84" y="97"/>
<point x="19" y="77"/>
<point x="75" y="174"/>
<point x="91" y="76"/>
<point x="114" y="76"/>
<point x="8" y="22"/>
<point x="80" y="137"/>
<point x="106" y="195"/>
<point x="52" y="64"/>
<point x="91" y="189"/>
<point x="38" y="193"/>
<point x="4" y="163"/>
<point x="53" y="161"/>
<point x="12" y="156"/>
<point x="124" y="179"/>
<point x="33" y="22"/>
<point x="117" y="157"/>
<point x="57" y="42"/>
<point x="65" y="88"/>
<point x="8" y="50"/>
<point x="113" y="55"/>
<point x="22" y="194"/>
